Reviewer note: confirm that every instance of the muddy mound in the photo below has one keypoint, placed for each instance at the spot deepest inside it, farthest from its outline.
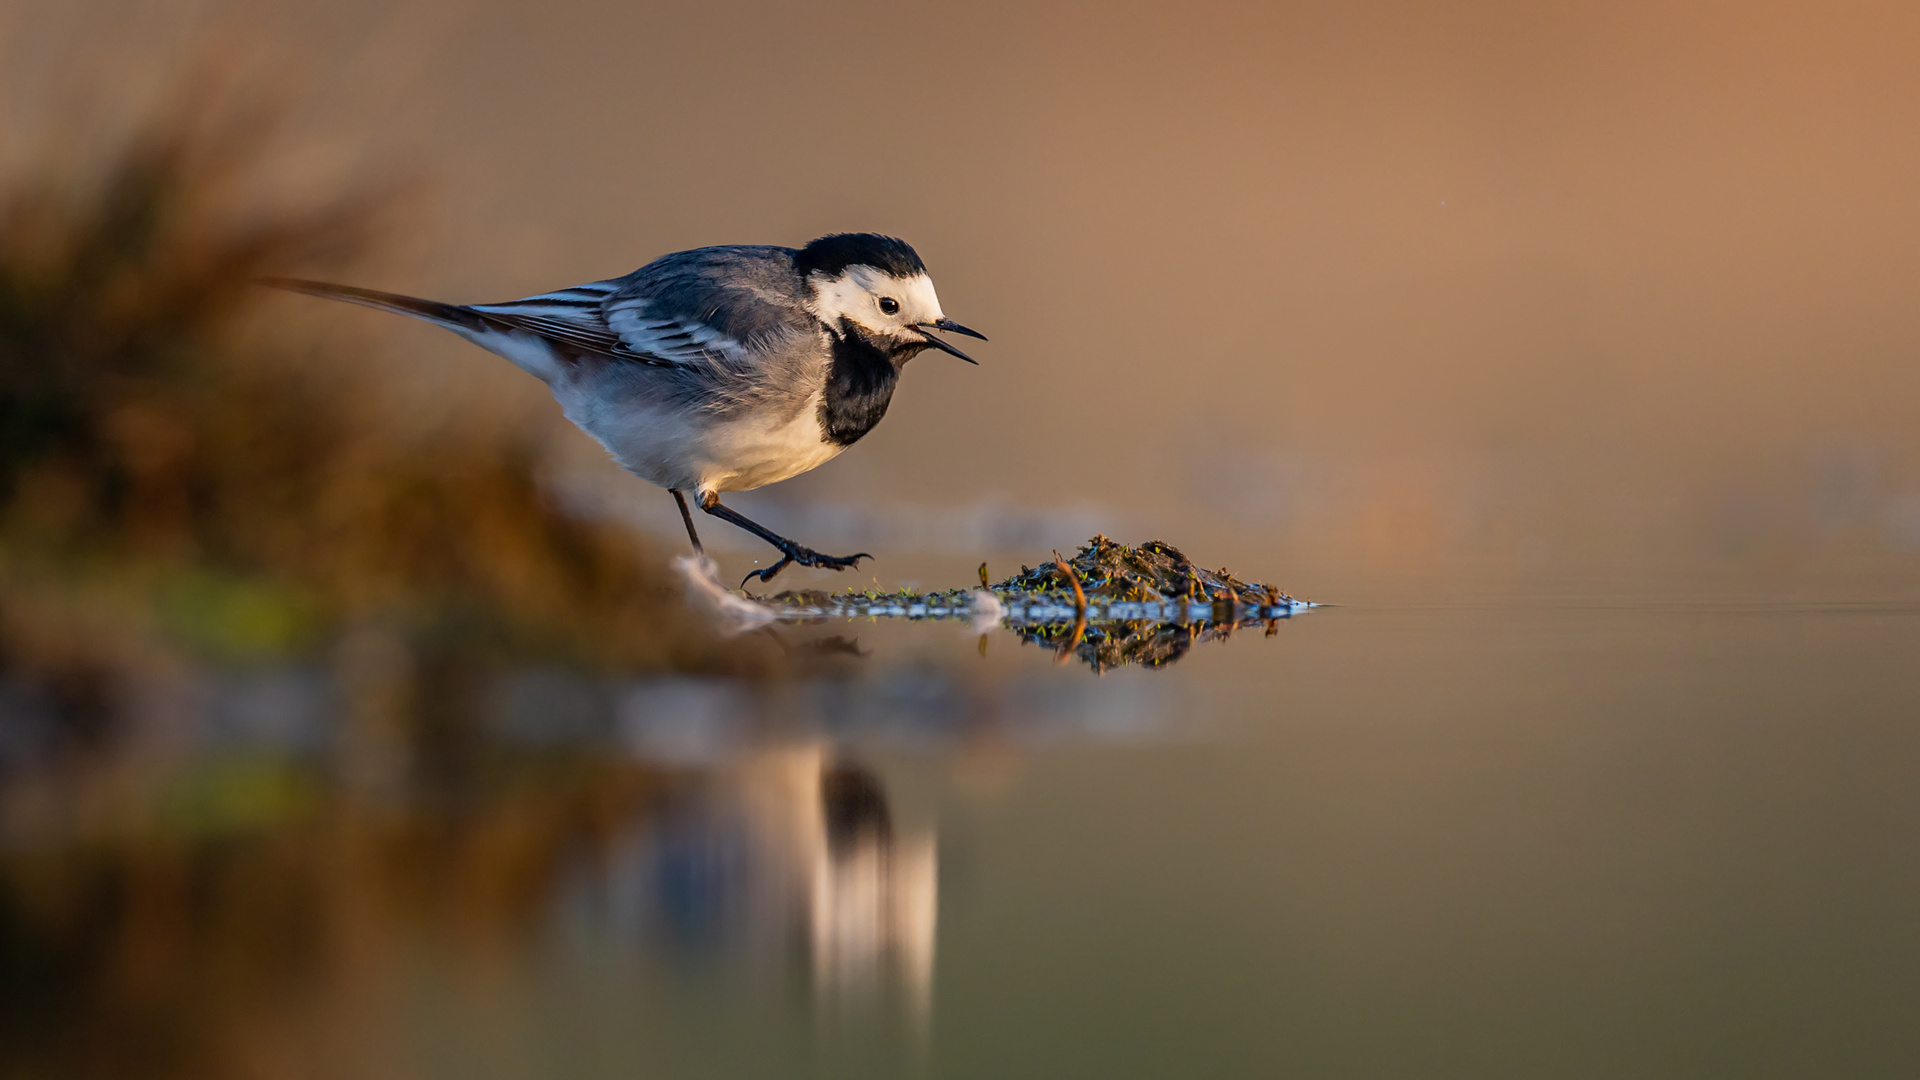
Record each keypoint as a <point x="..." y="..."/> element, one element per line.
<point x="1152" y="573"/>
<point x="1107" y="606"/>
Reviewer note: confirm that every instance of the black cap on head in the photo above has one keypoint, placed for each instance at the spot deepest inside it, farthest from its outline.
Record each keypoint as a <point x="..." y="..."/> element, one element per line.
<point x="832" y="254"/>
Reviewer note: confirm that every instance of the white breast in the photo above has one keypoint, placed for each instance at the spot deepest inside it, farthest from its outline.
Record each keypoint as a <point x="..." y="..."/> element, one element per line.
<point x="698" y="452"/>
<point x="753" y="452"/>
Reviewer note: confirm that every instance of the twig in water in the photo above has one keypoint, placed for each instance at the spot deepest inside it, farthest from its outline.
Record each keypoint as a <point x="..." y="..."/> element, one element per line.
<point x="1079" y="611"/>
<point x="1073" y="579"/>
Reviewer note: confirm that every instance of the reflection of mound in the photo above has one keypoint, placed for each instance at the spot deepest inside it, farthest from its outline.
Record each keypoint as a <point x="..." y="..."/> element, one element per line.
<point x="1111" y="645"/>
<point x="1107" y="645"/>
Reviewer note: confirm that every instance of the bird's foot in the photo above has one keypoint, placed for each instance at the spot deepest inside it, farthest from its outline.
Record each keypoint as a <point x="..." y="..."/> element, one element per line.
<point x="793" y="553"/>
<point x="806" y="557"/>
<point x="766" y="574"/>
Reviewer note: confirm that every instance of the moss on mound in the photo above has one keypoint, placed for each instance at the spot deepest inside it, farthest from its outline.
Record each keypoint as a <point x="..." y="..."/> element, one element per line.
<point x="1155" y="571"/>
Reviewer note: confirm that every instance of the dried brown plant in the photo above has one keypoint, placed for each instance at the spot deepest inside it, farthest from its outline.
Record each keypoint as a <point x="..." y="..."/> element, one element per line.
<point x="181" y="476"/>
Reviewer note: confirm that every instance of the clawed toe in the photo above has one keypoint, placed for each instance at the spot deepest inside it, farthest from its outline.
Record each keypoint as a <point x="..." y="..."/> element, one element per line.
<point x="810" y="557"/>
<point x="766" y="575"/>
<point x="806" y="557"/>
<point x="835" y="562"/>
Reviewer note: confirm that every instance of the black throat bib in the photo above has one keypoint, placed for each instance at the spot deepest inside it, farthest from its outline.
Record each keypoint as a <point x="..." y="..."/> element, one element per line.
<point x="859" y="384"/>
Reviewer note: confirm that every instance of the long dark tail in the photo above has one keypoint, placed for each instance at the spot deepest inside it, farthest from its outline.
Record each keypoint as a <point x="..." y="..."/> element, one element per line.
<point x="451" y="316"/>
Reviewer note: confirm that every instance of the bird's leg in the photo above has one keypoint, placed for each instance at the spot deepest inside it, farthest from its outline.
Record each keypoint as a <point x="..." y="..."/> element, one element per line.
<point x="790" y="551"/>
<point x="687" y="516"/>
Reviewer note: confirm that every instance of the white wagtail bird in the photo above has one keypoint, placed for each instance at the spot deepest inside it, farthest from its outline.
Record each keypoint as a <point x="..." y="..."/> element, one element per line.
<point x="720" y="368"/>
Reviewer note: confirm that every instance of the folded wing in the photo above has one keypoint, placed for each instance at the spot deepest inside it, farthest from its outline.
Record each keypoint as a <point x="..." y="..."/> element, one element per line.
<point x="731" y="308"/>
<point x="717" y="311"/>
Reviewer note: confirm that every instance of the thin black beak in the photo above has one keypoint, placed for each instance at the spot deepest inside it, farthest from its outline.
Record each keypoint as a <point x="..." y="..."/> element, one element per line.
<point x="952" y="327"/>
<point x="949" y="324"/>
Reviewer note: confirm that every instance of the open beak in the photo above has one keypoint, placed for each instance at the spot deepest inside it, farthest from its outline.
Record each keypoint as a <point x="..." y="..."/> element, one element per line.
<point x="951" y="327"/>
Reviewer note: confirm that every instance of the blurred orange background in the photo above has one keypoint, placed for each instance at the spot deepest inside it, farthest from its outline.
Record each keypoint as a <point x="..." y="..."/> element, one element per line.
<point x="1598" y="302"/>
<point x="1329" y="293"/>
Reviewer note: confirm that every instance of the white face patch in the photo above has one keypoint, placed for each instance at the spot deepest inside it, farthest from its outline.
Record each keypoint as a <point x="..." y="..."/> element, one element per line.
<point x="857" y="293"/>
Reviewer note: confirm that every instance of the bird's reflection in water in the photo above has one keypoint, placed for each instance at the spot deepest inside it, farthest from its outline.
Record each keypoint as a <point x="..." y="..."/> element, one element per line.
<point x="781" y="851"/>
<point x="874" y="899"/>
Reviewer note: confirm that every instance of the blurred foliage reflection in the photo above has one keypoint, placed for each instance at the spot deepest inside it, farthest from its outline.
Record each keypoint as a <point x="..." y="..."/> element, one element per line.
<point x="249" y="951"/>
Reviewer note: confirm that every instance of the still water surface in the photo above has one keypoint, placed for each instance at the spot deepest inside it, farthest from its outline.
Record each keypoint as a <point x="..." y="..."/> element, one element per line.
<point x="1597" y="833"/>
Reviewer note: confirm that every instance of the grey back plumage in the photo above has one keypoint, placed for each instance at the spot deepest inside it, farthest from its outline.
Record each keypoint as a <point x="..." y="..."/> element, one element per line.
<point x="743" y="292"/>
<point x="721" y="328"/>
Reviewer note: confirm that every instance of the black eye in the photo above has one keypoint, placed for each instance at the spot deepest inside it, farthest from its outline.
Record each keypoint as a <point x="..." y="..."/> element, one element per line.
<point x="889" y="305"/>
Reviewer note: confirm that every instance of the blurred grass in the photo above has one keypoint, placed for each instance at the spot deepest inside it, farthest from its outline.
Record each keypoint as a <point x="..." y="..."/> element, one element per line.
<point x="192" y="475"/>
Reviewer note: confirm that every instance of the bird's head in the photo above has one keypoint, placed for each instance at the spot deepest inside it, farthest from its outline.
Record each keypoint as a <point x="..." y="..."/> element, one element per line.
<point x="878" y="285"/>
